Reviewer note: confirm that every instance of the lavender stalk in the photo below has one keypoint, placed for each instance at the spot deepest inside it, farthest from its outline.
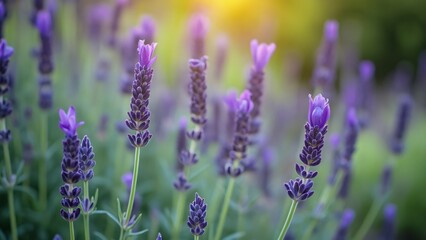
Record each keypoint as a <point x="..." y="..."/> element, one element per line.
<point x="6" y="53"/>
<point x="70" y="168"/>
<point x="300" y="189"/>
<point x="139" y="119"/>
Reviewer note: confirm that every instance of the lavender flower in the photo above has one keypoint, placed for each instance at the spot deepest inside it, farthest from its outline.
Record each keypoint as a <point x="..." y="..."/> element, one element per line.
<point x="326" y="58"/>
<point x="366" y="74"/>
<point x="141" y="89"/>
<point x="87" y="162"/>
<point x="345" y="222"/>
<point x="315" y="129"/>
<point x="402" y="120"/>
<point x="147" y="29"/>
<point x="57" y="237"/>
<point x="261" y="53"/>
<point x="197" y="91"/>
<point x="352" y="130"/>
<point x="71" y="173"/>
<point x="198" y="28"/>
<point x="45" y="92"/>
<point x="44" y="26"/>
<point x="388" y="232"/>
<point x="197" y="215"/>
<point x="116" y="15"/>
<point x="181" y="183"/>
<point x="6" y="53"/>
<point x="159" y="237"/>
<point x="96" y="24"/>
<point x="238" y="153"/>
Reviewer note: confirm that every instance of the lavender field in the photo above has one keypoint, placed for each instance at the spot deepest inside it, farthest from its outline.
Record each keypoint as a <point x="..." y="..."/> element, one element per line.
<point x="227" y="119"/>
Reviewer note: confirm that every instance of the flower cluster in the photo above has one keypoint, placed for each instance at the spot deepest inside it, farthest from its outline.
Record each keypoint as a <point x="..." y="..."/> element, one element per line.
<point x="139" y="113"/>
<point x="315" y="129"/>
<point x="401" y="124"/>
<point x="244" y="106"/>
<point x="261" y="53"/>
<point x="71" y="172"/>
<point x="6" y="53"/>
<point x="197" y="216"/>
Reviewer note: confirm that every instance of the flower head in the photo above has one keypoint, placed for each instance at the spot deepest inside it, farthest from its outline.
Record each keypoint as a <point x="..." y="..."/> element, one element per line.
<point x="261" y="54"/>
<point x="366" y="70"/>
<point x="197" y="214"/>
<point x="331" y="30"/>
<point x="67" y="121"/>
<point x="44" y="23"/>
<point x="6" y="51"/>
<point x="244" y="102"/>
<point x="319" y="111"/>
<point x="145" y="52"/>
<point x="147" y="28"/>
<point x="198" y="25"/>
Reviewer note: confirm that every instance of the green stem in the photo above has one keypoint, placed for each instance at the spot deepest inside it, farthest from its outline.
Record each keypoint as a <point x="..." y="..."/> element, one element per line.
<point x="133" y="188"/>
<point x="12" y="213"/>
<point x="196" y="237"/>
<point x="225" y="207"/>
<point x="72" y="230"/>
<point x="86" y="215"/>
<point x="179" y="212"/>
<point x="42" y="173"/>
<point x="369" y="219"/>
<point x="288" y="220"/>
<point x="9" y="173"/>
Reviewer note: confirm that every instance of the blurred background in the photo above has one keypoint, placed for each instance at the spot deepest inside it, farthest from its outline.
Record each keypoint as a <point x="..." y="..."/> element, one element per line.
<point x="91" y="64"/>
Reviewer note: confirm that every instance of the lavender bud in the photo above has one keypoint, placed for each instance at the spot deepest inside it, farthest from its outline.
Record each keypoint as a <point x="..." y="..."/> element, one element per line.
<point x="127" y="180"/>
<point x="87" y="162"/>
<point x="197" y="215"/>
<point x="351" y="137"/>
<point x="181" y="143"/>
<point x="159" y="237"/>
<point x="319" y="111"/>
<point x="57" y="237"/>
<point x="181" y="183"/>
<point x="44" y="26"/>
<point x="45" y="92"/>
<point x="299" y="190"/>
<point x="197" y="90"/>
<point x="401" y="125"/>
<point x="345" y="222"/>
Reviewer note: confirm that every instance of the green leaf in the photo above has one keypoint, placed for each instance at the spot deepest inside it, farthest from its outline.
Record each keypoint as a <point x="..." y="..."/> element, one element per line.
<point x="138" y="233"/>
<point x="108" y="214"/>
<point x="100" y="236"/>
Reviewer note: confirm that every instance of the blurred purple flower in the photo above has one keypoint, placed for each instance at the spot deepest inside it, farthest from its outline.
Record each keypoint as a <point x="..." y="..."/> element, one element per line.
<point x="261" y="53"/>
<point x="68" y="122"/>
<point x="345" y="222"/>
<point x="401" y="124"/>
<point x="198" y="27"/>
<point x="221" y="55"/>
<point x="389" y="224"/>
<point x="44" y="23"/>
<point x="127" y="180"/>
<point x="147" y="29"/>
<point x="6" y="51"/>
<point x="159" y="237"/>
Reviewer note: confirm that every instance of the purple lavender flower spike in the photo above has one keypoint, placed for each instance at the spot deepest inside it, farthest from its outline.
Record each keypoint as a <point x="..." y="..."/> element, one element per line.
<point x="44" y="26"/>
<point x="315" y="130"/>
<point x="181" y="183"/>
<point x="96" y="23"/>
<point x="198" y="28"/>
<point x="197" y="216"/>
<point x="326" y="58"/>
<point x="401" y="125"/>
<point x="238" y="153"/>
<point x="388" y="232"/>
<point x="44" y="23"/>
<point x="71" y="172"/>
<point x="6" y="108"/>
<point x="68" y="122"/>
<point x="345" y="222"/>
<point x="365" y="94"/>
<point x="57" y="237"/>
<point x="87" y="162"/>
<point x="261" y="53"/>
<point x="366" y="70"/>
<point x="159" y="237"/>
<point x="141" y="89"/>
<point x="386" y="179"/>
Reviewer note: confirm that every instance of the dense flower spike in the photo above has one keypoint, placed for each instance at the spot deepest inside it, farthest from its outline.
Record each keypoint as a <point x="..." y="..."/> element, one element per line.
<point x="197" y="215"/>
<point x="238" y="153"/>
<point x="401" y="125"/>
<point x="261" y="53"/>
<point x="197" y="90"/>
<point x="44" y="26"/>
<point x="87" y="162"/>
<point x="345" y="222"/>
<point x="198" y="27"/>
<point x="6" y="53"/>
<point x="326" y="57"/>
<point x="315" y="129"/>
<point x="71" y="173"/>
<point x="141" y="89"/>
